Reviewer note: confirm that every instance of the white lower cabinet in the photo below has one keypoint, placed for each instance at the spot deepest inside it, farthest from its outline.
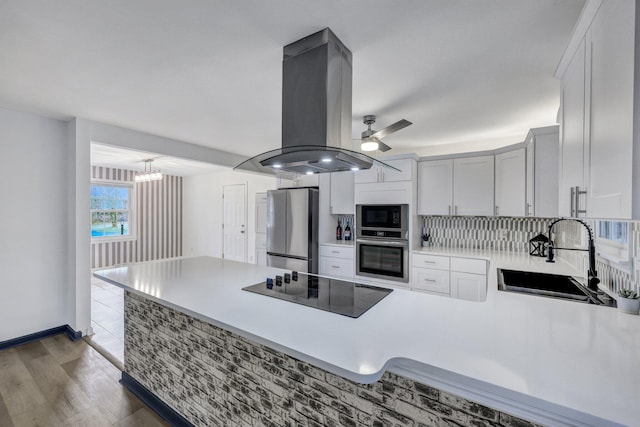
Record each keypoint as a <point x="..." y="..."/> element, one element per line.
<point x="462" y="278"/>
<point x="430" y="280"/>
<point x="469" y="286"/>
<point x="430" y="273"/>
<point x="336" y="261"/>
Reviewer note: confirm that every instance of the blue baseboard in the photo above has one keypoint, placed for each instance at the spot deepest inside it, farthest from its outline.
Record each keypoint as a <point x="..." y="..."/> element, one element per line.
<point x="72" y="334"/>
<point x="154" y="402"/>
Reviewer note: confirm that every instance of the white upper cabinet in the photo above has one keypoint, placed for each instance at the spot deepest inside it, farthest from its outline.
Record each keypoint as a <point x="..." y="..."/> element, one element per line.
<point x="596" y="116"/>
<point x="572" y="106"/>
<point x="383" y="174"/>
<point x="610" y="44"/>
<point x="530" y="187"/>
<point x="342" y="184"/>
<point x="435" y="187"/>
<point x="542" y="172"/>
<point x="473" y="186"/>
<point x="510" y="183"/>
<point x="456" y="186"/>
<point x="380" y="185"/>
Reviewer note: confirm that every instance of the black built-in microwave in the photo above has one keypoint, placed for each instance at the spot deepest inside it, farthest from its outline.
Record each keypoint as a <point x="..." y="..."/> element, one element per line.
<point x="383" y="221"/>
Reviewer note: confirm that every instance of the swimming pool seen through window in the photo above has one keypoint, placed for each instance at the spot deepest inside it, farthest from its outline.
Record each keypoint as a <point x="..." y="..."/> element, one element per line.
<point x="111" y="210"/>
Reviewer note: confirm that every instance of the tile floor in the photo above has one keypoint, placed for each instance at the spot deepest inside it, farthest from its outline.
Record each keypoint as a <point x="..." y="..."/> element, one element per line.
<point x="107" y="319"/>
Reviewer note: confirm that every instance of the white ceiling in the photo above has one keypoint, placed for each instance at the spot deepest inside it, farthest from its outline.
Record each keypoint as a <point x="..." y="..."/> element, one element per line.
<point x="118" y="157"/>
<point x="466" y="73"/>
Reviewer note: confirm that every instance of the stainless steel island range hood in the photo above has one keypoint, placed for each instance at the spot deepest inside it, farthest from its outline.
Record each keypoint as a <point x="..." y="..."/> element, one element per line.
<point x="316" y="112"/>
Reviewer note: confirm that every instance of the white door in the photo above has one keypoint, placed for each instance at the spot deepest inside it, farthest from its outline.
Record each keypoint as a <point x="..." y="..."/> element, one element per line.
<point x="234" y="244"/>
<point x="510" y="183"/>
<point x="435" y="187"/>
<point x="473" y="186"/>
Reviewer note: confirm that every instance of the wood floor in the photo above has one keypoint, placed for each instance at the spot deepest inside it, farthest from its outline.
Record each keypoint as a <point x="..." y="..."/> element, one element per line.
<point x="57" y="382"/>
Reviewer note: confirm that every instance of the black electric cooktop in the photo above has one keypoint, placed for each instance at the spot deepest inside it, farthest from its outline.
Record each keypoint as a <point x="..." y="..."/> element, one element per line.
<point x="334" y="295"/>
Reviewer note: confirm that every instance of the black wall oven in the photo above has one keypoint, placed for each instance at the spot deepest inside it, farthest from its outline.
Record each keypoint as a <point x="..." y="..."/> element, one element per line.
<point x="382" y="244"/>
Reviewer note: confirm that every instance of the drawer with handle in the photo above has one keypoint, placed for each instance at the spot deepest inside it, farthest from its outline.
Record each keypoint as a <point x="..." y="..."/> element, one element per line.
<point x="426" y="279"/>
<point x="430" y="261"/>
<point x="469" y="265"/>
<point x="328" y="266"/>
<point x="336" y="251"/>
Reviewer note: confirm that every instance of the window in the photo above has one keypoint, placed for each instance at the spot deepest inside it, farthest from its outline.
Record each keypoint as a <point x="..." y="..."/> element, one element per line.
<point x="111" y="210"/>
<point x="614" y="231"/>
<point x="612" y="242"/>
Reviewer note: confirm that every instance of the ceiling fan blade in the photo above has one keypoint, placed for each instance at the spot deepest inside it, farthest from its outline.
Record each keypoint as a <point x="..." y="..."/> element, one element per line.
<point x="401" y="124"/>
<point x="382" y="146"/>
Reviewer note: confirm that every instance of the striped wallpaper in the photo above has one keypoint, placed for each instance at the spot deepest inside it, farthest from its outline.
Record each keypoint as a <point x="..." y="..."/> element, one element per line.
<point x="158" y="221"/>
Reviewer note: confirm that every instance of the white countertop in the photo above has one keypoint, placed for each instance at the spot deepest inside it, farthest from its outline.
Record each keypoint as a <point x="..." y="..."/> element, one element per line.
<point x="340" y="243"/>
<point x="552" y="361"/>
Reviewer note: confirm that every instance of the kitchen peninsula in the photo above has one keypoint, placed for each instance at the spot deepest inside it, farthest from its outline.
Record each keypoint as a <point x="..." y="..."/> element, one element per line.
<point x="219" y="355"/>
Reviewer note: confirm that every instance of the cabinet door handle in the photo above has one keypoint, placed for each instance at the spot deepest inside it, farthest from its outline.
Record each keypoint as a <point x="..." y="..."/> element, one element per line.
<point x="336" y="267"/>
<point x="335" y="252"/>
<point x="430" y="280"/>
<point x="578" y="193"/>
<point x="455" y="210"/>
<point x="496" y="210"/>
<point x="429" y="262"/>
<point x="573" y="201"/>
<point x="529" y="213"/>
<point x="449" y="209"/>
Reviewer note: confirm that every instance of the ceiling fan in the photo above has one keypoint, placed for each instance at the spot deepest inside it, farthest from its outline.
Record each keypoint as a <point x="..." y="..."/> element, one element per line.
<point x="371" y="139"/>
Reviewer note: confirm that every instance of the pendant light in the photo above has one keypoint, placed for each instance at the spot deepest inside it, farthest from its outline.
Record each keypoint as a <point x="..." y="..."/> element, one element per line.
<point x="148" y="174"/>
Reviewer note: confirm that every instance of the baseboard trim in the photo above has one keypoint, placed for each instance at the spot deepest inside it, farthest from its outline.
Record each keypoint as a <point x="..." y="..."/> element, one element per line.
<point x="153" y="402"/>
<point x="68" y="330"/>
<point x="72" y="334"/>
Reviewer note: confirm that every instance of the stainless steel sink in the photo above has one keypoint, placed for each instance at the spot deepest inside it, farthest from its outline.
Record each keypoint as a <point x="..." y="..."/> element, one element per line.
<point x="549" y="285"/>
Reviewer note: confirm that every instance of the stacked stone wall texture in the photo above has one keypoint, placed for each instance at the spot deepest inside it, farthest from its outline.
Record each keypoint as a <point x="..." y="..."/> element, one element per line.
<point x="216" y="378"/>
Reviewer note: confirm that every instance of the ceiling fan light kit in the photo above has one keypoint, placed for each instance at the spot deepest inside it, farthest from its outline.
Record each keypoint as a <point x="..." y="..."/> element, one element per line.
<point x="369" y="144"/>
<point x="370" y="139"/>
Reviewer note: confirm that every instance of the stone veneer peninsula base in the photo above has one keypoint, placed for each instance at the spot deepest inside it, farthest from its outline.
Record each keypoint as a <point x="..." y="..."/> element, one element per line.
<point x="213" y="377"/>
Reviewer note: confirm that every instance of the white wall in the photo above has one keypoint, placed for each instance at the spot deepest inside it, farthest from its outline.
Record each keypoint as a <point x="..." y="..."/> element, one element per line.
<point x="34" y="220"/>
<point x="202" y="210"/>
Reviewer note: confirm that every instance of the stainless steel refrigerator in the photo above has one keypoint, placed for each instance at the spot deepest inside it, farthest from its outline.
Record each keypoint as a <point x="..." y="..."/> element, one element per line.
<point x="292" y="229"/>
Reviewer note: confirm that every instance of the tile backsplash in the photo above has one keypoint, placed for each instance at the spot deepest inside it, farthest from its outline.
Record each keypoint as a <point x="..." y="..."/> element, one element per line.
<point x="513" y="234"/>
<point x="474" y="232"/>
